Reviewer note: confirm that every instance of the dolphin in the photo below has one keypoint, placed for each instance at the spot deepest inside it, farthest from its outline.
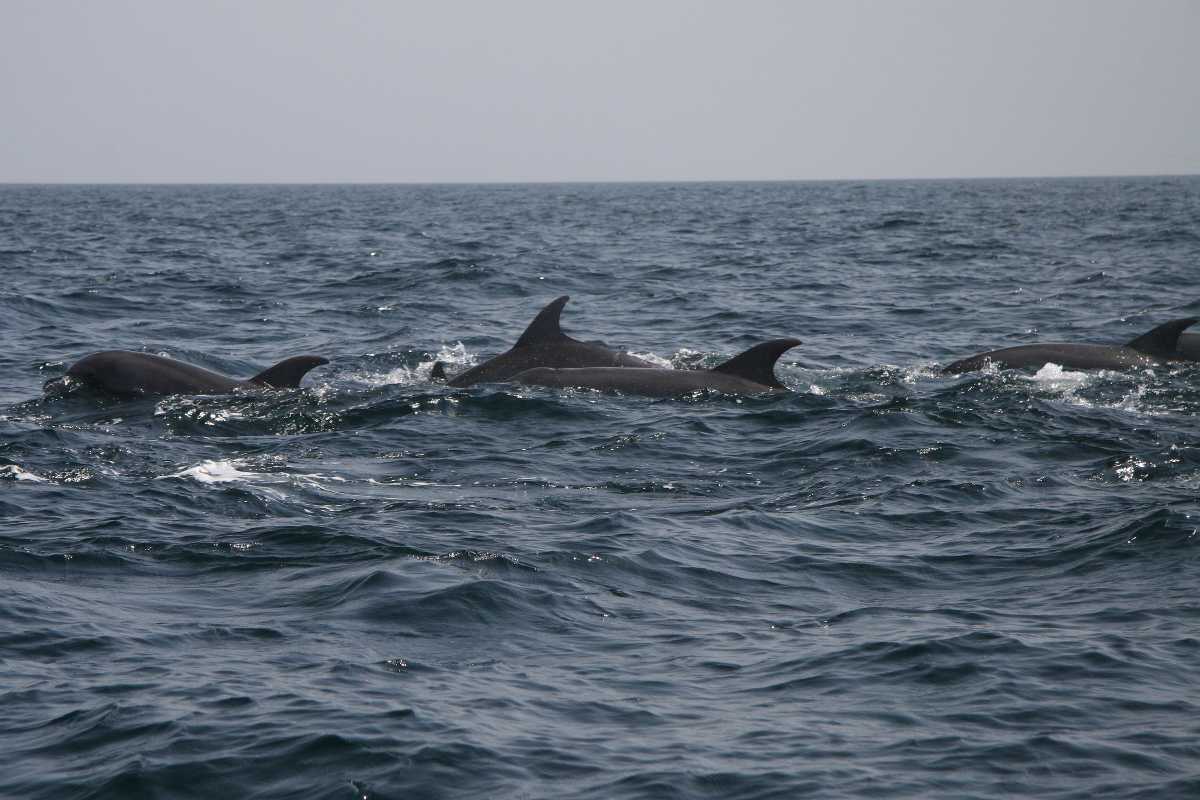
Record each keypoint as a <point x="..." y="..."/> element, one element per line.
<point x="130" y="374"/>
<point x="543" y="344"/>
<point x="1151" y="348"/>
<point x="751" y="372"/>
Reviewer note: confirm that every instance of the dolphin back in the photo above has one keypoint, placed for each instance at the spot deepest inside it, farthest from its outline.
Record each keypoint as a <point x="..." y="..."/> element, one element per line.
<point x="543" y="344"/>
<point x="130" y="373"/>
<point x="751" y="372"/>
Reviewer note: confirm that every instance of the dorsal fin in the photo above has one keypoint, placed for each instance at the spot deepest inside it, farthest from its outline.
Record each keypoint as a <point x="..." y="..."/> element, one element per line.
<point x="438" y="371"/>
<point x="287" y="373"/>
<point x="1162" y="340"/>
<point x="758" y="363"/>
<point x="545" y="327"/>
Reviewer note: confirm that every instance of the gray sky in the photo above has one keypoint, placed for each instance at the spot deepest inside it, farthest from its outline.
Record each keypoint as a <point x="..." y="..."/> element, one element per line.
<point x="512" y="90"/>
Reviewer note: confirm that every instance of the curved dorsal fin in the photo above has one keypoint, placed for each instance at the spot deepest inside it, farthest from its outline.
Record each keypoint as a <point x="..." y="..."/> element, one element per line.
<point x="287" y="373"/>
<point x="1162" y="340"/>
<point x="545" y="327"/>
<point x="758" y="363"/>
<point x="438" y="371"/>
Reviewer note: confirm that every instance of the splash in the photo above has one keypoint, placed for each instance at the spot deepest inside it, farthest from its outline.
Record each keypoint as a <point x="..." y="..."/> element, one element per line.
<point x="1096" y="389"/>
<point x="656" y="360"/>
<point x="15" y="473"/>
<point x="1052" y="377"/>
<point x="455" y="358"/>
<point x="216" y="472"/>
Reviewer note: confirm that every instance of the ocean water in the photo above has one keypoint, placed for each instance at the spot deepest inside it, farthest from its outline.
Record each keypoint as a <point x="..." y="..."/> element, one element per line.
<point x="885" y="583"/>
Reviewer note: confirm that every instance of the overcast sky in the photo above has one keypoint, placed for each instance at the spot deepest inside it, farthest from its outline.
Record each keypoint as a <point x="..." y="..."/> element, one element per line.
<point x="159" y="90"/>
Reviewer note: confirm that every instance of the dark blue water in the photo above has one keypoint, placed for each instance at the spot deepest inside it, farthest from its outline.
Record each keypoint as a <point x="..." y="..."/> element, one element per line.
<point x="887" y="583"/>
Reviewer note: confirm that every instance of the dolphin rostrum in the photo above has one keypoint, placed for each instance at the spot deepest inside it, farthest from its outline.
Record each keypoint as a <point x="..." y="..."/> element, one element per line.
<point x="127" y="373"/>
<point x="1154" y="347"/>
<point x="543" y="344"/>
<point x="751" y="372"/>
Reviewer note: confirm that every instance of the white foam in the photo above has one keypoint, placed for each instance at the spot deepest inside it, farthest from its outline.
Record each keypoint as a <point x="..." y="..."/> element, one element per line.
<point x="226" y="471"/>
<point x="216" y="472"/>
<point x="686" y="355"/>
<point x="455" y="358"/>
<point x="264" y="483"/>
<point x="656" y="360"/>
<point x="1056" y="379"/>
<point x="1067" y="385"/>
<point x="16" y="473"/>
<point x="198" y="412"/>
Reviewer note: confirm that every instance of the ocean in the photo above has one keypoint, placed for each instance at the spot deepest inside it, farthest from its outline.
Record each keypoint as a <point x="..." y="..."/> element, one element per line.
<point x="884" y="583"/>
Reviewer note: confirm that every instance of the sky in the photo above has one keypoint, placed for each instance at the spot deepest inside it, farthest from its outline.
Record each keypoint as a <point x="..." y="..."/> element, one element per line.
<point x="566" y="90"/>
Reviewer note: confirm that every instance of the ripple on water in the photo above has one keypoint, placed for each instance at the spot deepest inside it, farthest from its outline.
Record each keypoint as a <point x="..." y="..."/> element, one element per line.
<point x="887" y="582"/>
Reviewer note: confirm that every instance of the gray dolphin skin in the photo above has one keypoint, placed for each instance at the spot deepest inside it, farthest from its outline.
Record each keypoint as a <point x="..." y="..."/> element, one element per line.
<point x="1188" y="347"/>
<point x="1154" y="347"/>
<point x="129" y="374"/>
<point x="543" y="344"/>
<point x="751" y="372"/>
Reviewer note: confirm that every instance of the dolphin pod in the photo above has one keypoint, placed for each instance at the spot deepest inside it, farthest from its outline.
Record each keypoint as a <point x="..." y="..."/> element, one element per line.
<point x="130" y="374"/>
<point x="1151" y="348"/>
<point x="545" y="356"/>
<point x="543" y="344"/>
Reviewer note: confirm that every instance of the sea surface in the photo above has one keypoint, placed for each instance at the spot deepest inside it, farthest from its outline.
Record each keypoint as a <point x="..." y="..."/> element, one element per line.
<point x="886" y="583"/>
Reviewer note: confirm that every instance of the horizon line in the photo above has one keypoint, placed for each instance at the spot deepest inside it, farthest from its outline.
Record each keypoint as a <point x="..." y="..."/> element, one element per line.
<point x="572" y="181"/>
